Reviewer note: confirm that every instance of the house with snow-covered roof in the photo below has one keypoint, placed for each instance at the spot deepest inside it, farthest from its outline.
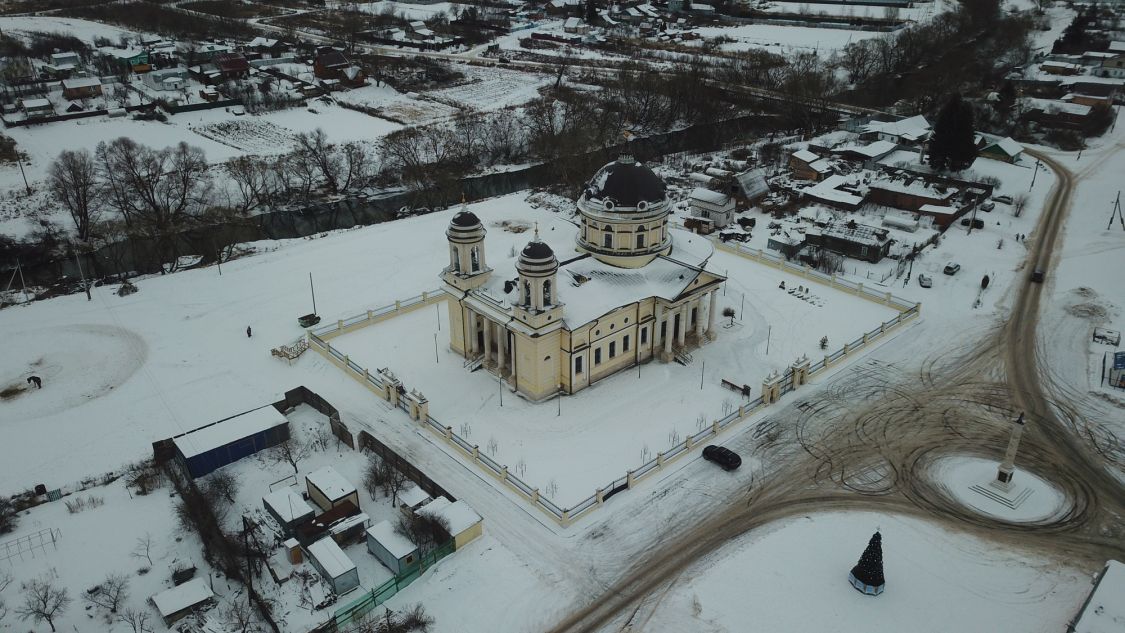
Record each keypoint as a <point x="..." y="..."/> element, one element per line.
<point x="997" y="148"/>
<point x="635" y="292"/>
<point x="714" y="207"/>
<point x="807" y="165"/>
<point x="910" y="131"/>
<point x="334" y="565"/>
<point x="81" y="87"/>
<point x="181" y="601"/>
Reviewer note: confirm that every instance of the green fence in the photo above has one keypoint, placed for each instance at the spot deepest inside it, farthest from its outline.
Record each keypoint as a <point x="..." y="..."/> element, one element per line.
<point x="363" y="605"/>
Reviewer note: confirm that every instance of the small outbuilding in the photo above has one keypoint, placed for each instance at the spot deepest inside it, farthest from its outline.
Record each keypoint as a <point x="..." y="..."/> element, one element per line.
<point x="1117" y="371"/>
<point x="288" y="508"/>
<point x="211" y="447"/>
<point x="412" y="498"/>
<point x="334" y="565"/>
<point x="463" y="522"/>
<point x="179" y="602"/>
<point x="394" y="550"/>
<point x="328" y="488"/>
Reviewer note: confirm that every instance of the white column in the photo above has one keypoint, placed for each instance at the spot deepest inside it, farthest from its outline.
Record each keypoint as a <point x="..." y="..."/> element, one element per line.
<point x="711" y="312"/>
<point x="487" y="339"/>
<point x="502" y="333"/>
<point x="681" y="332"/>
<point x="699" y="317"/>
<point x="669" y="332"/>
<point x="659" y="314"/>
<point x="471" y="344"/>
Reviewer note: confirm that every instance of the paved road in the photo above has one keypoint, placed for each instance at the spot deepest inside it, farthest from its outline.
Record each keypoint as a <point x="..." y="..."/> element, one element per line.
<point x="885" y="432"/>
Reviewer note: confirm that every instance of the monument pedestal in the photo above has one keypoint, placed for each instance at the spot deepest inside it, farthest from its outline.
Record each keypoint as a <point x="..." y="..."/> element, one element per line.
<point x="1003" y="490"/>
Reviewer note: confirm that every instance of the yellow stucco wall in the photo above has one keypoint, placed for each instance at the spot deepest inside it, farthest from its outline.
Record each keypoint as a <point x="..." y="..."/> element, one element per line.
<point x="465" y="536"/>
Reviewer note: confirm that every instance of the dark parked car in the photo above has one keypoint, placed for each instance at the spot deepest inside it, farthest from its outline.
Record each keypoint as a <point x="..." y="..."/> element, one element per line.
<point x="1037" y="275"/>
<point x="724" y="457"/>
<point x="951" y="268"/>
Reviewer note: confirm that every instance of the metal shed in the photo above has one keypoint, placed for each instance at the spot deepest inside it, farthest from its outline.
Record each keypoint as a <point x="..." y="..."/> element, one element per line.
<point x="288" y="508"/>
<point x="334" y="565"/>
<point x="215" y="445"/>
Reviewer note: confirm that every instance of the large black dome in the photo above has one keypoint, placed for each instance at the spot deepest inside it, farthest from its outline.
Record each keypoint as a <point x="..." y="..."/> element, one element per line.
<point x="465" y="219"/>
<point x="537" y="250"/>
<point x="626" y="183"/>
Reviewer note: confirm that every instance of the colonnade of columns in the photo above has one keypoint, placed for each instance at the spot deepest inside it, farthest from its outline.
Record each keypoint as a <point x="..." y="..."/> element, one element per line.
<point x="492" y="331"/>
<point x="677" y="328"/>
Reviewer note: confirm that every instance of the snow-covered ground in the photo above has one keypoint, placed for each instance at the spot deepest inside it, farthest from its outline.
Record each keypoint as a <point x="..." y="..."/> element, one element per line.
<point x="785" y="39"/>
<point x="84" y="30"/>
<point x="594" y="436"/>
<point x="960" y="474"/>
<point x="794" y="576"/>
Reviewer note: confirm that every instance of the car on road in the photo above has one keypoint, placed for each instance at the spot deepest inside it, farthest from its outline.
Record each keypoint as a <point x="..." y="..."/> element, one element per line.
<point x="1003" y="199"/>
<point x="1038" y="274"/>
<point x="723" y="456"/>
<point x="951" y="268"/>
<point x="977" y="224"/>
<point x="925" y="281"/>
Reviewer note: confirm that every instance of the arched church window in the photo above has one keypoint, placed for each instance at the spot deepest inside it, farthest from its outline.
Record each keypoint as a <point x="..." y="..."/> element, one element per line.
<point x="547" y="292"/>
<point x="456" y="261"/>
<point x="607" y="240"/>
<point x="527" y="293"/>
<point x="474" y="254"/>
<point x="640" y="240"/>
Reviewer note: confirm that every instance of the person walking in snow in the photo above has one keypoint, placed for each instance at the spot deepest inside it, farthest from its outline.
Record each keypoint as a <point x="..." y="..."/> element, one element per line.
<point x="247" y="331"/>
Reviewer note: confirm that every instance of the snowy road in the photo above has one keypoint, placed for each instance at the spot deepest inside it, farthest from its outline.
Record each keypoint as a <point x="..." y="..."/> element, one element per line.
<point x="869" y="437"/>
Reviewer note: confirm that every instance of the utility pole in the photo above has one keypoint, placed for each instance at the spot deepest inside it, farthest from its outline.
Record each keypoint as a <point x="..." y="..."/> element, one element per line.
<point x="701" y="370"/>
<point x="313" y="291"/>
<point x="249" y="569"/>
<point x="1034" y="173"/>
<point x="19" y="161"/>
<point x="1116" y="211"/>
<point x="86" y="286"/>
<point x="974" y="219"/>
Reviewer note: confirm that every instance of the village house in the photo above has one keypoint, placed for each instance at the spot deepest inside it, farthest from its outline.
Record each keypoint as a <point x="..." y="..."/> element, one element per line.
<point x="908" y="192"/>
<point x="1114" y="66"/>
<point x="866" y="155"/>
<point x="231" y="66"/>
<point x="1060" y="68"/>
<point x="333" y="65"/>
<point x="328" y="489"/>
<point x="81" y="87"/>
<point x="911" y="131"/>
<point x="166" y="79"/>
<point x="713" y="207"/>
<point x="35" y="108"/>
<point x="1003" y="149"/>
<point x="179" y="602"/>
<point x="851" y="239"/>
<point x="576" y="26"/>
<point x="808" y="166"/>
<point x="64" y="64"/>
<point x="835" y="191"/>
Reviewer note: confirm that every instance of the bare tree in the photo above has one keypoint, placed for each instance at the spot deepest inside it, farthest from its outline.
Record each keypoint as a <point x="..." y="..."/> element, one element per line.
<point x="110" y="593"/>
<point x="314" y="149"/>
<point x="143" y="548"/>
<point x="291" y="451"/>
<point x="239" y="617"/>
<point x="136" y="619"/>
<point x="427" y="532"/>
<point x="9" y="517"/>
<point x="42" y="602"/>
<point x="393" y="482"/>
<point x="72" y="179"/>
<point x="373" y="474"/>
<point x="5" y="580"/>
<point x="251" y="182"/>
<point x="222" y="485"/>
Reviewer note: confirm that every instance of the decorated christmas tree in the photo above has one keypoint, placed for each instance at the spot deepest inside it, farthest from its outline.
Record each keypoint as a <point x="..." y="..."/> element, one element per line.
<point x="867" y="575"/>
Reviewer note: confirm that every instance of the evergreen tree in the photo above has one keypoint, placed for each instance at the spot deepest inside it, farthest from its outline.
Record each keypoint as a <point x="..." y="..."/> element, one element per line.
<point x="591" y="12"/>
<point x="869" y="569"/>
<point x="1007" y="96"/>
<point x="951" y="145"/>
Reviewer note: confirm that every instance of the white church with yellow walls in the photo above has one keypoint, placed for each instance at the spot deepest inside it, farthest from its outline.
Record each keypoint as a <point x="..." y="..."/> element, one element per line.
<point x="634" y="292"/>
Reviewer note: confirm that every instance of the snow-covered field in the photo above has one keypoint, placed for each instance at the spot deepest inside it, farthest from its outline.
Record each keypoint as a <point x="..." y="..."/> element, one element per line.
<point x="84" y="30"/>
<point x="794" y="576"/>
<point x="493" y="88"/>
<point x="785" y="39"/>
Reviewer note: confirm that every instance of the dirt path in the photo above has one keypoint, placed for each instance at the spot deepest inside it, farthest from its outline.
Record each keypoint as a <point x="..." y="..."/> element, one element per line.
<point x="887" y="430"/>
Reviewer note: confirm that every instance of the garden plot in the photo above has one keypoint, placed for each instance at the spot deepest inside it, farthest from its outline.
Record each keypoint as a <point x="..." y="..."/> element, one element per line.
<point x="407" y="109"/>
<point x="570" y="447"/>
<point x="494" y="88"/>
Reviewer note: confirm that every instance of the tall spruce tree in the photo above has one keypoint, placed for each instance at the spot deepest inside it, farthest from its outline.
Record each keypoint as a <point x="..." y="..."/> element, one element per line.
<point x="951" y="145"/>
<point x="591" y="12"/>
<point x="869" y="570"/>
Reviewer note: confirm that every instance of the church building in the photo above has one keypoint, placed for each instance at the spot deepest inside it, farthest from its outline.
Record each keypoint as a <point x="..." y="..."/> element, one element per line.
<point x="631" y="293"/>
